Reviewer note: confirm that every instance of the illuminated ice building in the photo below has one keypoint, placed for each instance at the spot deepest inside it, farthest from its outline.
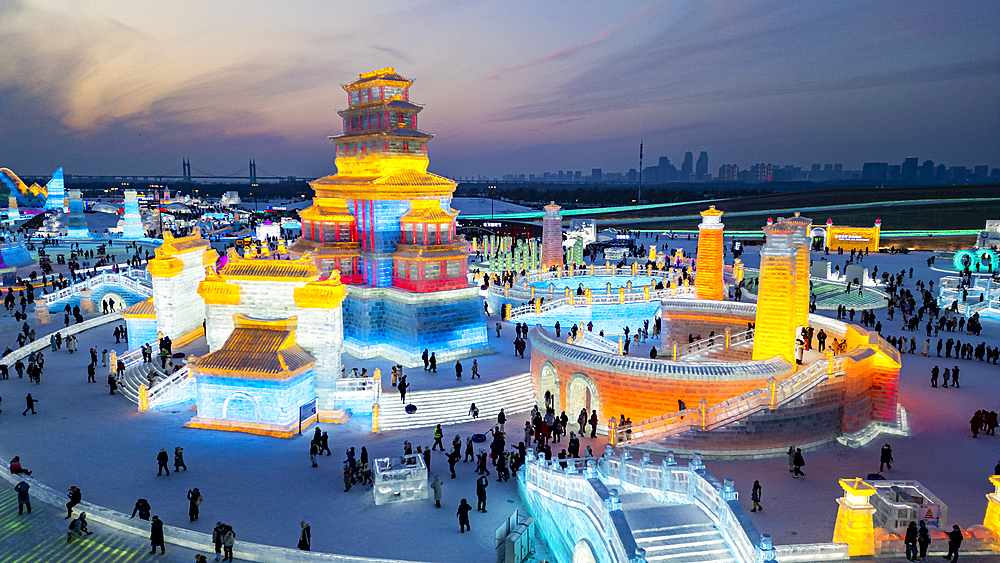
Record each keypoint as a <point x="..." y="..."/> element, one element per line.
<point x="386" y="226"/>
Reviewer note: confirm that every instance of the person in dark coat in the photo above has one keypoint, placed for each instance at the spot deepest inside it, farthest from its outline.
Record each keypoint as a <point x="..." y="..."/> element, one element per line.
<point x="463" y="516"/>
<point x="954" y="542"/>
<point x="923" y="539"/>
<point x="885" y="461"/>
<point x="22" y="497"/>
<point x="755" y="497"/>
<point x="458" y="369"/>
<point x="402" y="388"/>
<point x="910" y="541"/>
<point x="481" y="485"/>
<point x="156" y="536"/>
<point x="161" y="460"/>
<point x="194" y="501"/>
<point x="433" y="362"/>
<point x="305" y="537"/>
<point x="179" y="459"/>
<point x="112" y="383"/>
<point x="453" y="458"/>
<point x="142" y="507"/>
<point x="74" y="499"/>
<point x="30" y="401"/>
<point x="798" y="463"/>
<point x="425" y="356"/>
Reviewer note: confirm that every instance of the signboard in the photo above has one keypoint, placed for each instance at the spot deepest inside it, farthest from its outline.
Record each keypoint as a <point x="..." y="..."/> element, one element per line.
<point x="492" y="225"/>
<point x="306" y="412"/>
<point x="931" y="514"/>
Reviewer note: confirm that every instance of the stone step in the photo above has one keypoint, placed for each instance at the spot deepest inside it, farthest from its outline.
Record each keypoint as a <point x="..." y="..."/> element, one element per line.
<point x="450" y="406"/>
<point x="712" y="556"/>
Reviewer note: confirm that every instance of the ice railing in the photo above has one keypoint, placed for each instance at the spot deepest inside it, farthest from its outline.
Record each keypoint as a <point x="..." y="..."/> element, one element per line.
<point x="717" y="342"/>
<point x="358" y="394"/>
<point x="43" y="341"/>
<point x="560" y="299"/>
<point x="177" y="388"/>
<point x="691" y="485"/>
<point x="121" y="279"/>
<point x="704" y="417"/>
<point x="522" y="290"/>
<point x="658" y="368"/>
<point x="572" y="487"/>
<point x="733" y="308"/>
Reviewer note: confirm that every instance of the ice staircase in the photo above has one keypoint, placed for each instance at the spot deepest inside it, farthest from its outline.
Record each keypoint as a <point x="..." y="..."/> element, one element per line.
<point x="451" y="406"/>
<point x="680" y="533"/>
<point x="135" y="375"/>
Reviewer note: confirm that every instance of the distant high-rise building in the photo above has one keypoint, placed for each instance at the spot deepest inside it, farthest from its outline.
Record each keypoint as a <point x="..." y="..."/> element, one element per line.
<point x="895" y="172"/>
<point x="941" y="172"/>
<point x="577" y="175"/>
<point x="815" y="170"/>
<point x="958" y="173"/>
<point x="667" y="171"/>
<point x="728" y="172"/>
<point x="927" y="170"/>
<point x="827" y="168"/>
<point x="995" y="175"/>
<point x="838" y="167"/>
<point x="687" y="167"/>
<point x="595" y="175"/>
<point x="761" y="173"/>
<point x="909" y="169"/>
<point x="875" y="171"/>
<point x="982" y="173"/>
<point x="633" y="176"/>
<point x="701" y="170"/>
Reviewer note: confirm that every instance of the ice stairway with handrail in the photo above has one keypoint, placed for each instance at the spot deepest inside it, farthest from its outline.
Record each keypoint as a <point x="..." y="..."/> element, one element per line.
<point x="451" y="405"/>
<point x="680" y="533"/>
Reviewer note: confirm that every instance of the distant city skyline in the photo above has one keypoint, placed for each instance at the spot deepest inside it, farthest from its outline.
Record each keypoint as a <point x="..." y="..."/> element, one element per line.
<point x="133" y="88"/>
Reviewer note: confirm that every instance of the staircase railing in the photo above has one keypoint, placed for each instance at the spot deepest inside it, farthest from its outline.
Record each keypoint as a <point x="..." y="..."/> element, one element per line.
<point x="121" y="279"/>
<point x="42" y="342"/>
<point x="704" y="417"/>
<point x="178" y="387"/>
<point x="717" y="342"/>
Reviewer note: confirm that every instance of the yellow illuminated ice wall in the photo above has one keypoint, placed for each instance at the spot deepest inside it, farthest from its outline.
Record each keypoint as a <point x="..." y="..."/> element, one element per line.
<point x="801" y="239"/>
<point x="708" y="272"/>
<point x="855" y="525"/>
<point x="992" y="520"/>
<point x="774" y="334"/>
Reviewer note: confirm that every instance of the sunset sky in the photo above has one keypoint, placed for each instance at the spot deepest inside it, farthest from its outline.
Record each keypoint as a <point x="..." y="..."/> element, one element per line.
<point x="509" y="87"/>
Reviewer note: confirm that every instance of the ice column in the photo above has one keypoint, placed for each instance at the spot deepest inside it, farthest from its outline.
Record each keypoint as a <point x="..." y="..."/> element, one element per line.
<point x="552" y="252"/>
<point x="774" y="332"/>
<point x="708" y="271"/>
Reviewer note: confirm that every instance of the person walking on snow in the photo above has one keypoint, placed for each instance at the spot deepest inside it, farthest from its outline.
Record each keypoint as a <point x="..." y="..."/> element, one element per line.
<point x="305" y="537"/>
<point x="22" y="497"/>
<point x="458" y="369"/>
<point x="463" y="516"/>
<point x="435" y="486"/>
<point x="161" y="460"/>
<point x="799" y="462"/>
<point x="438" y="435"/>
<point x="885" y="460"/>
<point x="179" y="459"/>
<point x="156" y="536"/>
<point x="481" y="485"/>
<point x="194" y="501"/>
<point x="755" y="497"/>
<point x="217" y="532"/>
<point x="31" y="405"/>
<point x="433" y="363"/>
<point x="228" y="539"/>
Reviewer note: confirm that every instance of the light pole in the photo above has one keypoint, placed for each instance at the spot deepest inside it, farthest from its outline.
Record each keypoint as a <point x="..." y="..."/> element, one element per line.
<point x="491" y="187"/>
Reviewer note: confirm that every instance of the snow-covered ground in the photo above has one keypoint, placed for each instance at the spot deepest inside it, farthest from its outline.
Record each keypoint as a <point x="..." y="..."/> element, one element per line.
<point x="264" y="486"/>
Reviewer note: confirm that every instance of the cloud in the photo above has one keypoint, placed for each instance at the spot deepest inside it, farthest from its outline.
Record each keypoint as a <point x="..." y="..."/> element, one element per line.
<point x="609" y="32"/>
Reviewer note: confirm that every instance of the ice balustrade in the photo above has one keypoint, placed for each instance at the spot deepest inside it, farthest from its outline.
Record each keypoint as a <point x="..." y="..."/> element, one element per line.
<point x="122" y="279"/>
<point x="43" y="341"/>
<point x="177" y="388"/>
<point x="597" y="299"/>
<point x="704" y="417"/>
<point x="730" y="308"/>
<point x="358" y="395"/>
<point x="613" y="363"/>
<point x="574" y="488"/>
<point x="717" y="342"/>
<point x="522" y="290"/>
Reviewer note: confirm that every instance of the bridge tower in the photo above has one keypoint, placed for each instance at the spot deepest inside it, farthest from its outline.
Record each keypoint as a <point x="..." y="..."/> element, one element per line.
<point x="253" y="171"/>
<point x="186" y="166"/>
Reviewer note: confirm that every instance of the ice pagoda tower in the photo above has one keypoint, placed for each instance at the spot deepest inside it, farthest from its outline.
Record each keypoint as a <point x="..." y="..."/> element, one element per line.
<point x="386" y="225"/>
<point x="132" y="224"/>
<point x="77" y="222"/>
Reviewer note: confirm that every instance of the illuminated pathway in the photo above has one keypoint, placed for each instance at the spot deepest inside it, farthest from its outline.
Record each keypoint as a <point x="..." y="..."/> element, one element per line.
<point x="41" y="537"/>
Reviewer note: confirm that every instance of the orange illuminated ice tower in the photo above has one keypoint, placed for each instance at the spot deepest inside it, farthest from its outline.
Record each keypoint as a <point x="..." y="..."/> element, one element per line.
<point x="774" y="334"/>
<point x="552" y="240"/>
<point x="708" y="271"/>
<point x="802" y="239"/>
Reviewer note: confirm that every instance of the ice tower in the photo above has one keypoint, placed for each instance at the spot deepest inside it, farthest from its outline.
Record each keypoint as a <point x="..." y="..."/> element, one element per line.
<point x="774" y="332"/>
<point x="708" y="272"/>
<point x="802" y="239"/>
<point x="55" y="191"/>
<point x="77" y="228"/>
<point x="552" y="252"/>
<point x="12" y="210"/>
<point x="386" y="226"/>
<point x="132" y="228"/>
<point x="177" y="270"/>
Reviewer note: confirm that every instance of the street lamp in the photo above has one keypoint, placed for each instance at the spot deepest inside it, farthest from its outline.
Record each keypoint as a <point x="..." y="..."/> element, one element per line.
<point x="492" y="187"/>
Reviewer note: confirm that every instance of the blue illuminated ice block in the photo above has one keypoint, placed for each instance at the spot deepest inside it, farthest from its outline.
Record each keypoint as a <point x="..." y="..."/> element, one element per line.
<point x="132" y="228"/>
<point x="77" y="228"/>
